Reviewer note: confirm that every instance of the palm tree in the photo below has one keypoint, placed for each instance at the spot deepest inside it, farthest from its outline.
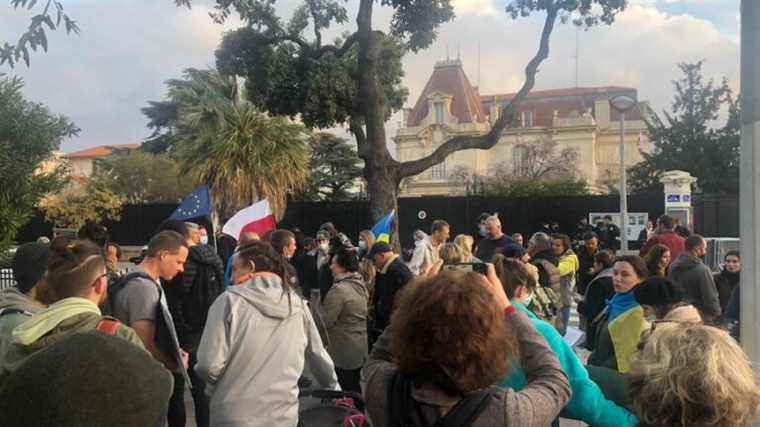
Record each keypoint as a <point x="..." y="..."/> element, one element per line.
<point x="224" y="141"/>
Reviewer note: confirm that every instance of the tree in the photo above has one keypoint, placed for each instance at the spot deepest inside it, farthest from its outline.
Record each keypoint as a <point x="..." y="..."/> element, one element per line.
<point x="684" y="138"/>
<point x="143" y="177"/>
<point x="29" y="135"/>
<point x="540" y="169"/>
<point x="357" y="80"/>
<point x="224" y="141"/>
<point x="36" y="36"/>
<point x="334" y="168"/>
<point x="74" y="206"/>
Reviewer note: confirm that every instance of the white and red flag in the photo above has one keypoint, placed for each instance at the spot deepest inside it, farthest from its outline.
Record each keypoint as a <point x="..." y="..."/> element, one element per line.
<point x="257" y="218"/>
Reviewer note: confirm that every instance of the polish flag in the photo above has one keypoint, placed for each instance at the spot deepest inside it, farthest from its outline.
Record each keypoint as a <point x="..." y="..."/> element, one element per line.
<point x="257" y="218"/>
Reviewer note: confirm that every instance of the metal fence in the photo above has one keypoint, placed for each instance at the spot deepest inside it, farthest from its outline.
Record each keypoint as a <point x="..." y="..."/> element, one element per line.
<point x="6" y="278"/>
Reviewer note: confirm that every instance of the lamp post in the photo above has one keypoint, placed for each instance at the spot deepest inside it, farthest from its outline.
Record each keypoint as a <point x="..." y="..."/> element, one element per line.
<point x="622" y="104"/>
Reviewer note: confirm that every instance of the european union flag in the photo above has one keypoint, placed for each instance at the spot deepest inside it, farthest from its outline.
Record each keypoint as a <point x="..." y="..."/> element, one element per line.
<point x="198" y="203"/>
<point x="382" y="230"/>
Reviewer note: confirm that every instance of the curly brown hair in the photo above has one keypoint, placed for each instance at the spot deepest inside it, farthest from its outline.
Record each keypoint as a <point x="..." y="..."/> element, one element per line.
<point x="449" y="331"/>
<point x="693" y="375"/>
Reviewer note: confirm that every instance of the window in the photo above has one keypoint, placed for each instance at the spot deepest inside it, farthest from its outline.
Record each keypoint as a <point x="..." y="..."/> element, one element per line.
<point x="438" y="106"/>
<point x="520" y="159"/>
<point x="438" y="171"/>
<point x="527" y="119"/>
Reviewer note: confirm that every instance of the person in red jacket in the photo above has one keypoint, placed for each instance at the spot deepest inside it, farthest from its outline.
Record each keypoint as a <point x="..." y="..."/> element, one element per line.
<point x="665" y="235"/>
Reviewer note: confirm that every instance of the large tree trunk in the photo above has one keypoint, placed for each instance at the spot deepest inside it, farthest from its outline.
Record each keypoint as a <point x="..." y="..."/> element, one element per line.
<point x="381" y="170"/>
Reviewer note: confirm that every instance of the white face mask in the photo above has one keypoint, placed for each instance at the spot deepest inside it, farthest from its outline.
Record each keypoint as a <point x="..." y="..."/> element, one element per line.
<point x="482" y="230"/>
<point x="528" y="299"/>
<point x="324" y="246"/>
<point x="204" y="240"/>
<point x="362" y="245"/>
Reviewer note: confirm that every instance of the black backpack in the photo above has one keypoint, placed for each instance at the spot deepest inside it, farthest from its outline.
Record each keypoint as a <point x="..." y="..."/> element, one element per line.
<point x="401" y="406"/>
<point x="115" y="286"/>
<point x="208" y="284"/>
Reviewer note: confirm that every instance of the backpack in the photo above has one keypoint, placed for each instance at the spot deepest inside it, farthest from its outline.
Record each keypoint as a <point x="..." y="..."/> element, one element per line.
<point x="207" y="285"/>
<point x="546" y="303"/>
<point x="401" y="406"/>
<point x="108" y="307"/>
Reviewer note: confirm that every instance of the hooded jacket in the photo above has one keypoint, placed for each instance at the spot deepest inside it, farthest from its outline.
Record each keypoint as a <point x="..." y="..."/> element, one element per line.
<point x="587" y="404"/>
<point x="191" y="293"/>
<point x="53" y="324"/>
<point x="568" y="266"/>
<point x="697" y="280"/>
<point x="345" y="318"/>
<point x="15" y="307"/>
<point x="257" y="341"/>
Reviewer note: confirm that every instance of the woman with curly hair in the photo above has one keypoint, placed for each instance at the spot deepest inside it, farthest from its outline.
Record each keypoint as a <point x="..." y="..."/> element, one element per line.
<point x="451" y="338"/>
<point x="689" y="374"/>
<point x="658" y="260"/>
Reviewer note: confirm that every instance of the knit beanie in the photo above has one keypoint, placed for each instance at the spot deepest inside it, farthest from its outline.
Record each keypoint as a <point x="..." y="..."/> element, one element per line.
<point x="29" y="264"/>
<point x="659" y="291"/>
<point x="87" y="380"/>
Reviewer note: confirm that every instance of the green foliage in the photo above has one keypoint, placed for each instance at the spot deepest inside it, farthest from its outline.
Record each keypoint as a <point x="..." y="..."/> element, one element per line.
<point x="29" y="135"/>
<point x="75" y="206"/>
<point x="581" y="12"/>
<point x="143" y="177"/>
<point x="51" y="16"/>
<point x="321" y="92"/>
<point x="685" y="139"/>
<point x="225" y="142"/>
<point x="334" y="168"/>
<point x="524" y="187"/>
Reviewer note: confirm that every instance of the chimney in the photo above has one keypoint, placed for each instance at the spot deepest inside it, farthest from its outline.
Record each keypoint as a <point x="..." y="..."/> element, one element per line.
<point x="493" y="112"/>
<point x="602" y="110"/>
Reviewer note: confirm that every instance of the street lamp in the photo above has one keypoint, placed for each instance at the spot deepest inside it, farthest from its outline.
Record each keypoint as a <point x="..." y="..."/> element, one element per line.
<point x="622" y="104"/>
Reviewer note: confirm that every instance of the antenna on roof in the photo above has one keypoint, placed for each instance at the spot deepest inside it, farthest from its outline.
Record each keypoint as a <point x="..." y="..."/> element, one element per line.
<point x="478" y="64"/>
<point x="577" y="50"/>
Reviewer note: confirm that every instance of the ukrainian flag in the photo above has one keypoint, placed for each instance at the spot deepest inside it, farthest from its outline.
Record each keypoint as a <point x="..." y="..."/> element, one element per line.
<point x="382" y="230"/>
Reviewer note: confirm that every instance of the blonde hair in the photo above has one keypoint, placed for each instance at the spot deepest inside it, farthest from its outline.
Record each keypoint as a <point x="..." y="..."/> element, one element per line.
<point x="693" y="375"/>
<point x="369" y="237"/>
<point x="465" y="241"/>
<point x="452" y="253"/>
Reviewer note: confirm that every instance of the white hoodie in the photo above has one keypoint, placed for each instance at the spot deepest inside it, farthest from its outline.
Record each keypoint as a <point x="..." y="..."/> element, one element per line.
<point x="253" y="351"/>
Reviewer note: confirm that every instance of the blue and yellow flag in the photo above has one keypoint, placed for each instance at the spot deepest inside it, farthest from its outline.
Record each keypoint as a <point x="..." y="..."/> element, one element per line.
<point x="382" y="230"/>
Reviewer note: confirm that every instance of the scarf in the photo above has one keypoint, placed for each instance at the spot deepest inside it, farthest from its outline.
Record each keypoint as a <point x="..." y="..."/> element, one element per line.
<point x="46" y="320"/>
<point x="732" y="278"/>
<point x="620" y="303"/>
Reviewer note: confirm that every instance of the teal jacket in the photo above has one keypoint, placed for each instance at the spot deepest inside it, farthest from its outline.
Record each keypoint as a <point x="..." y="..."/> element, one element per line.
<point x="587" y="404"/>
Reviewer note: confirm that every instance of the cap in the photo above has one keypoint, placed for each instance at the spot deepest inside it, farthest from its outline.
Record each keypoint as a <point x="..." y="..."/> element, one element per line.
<point x="380" y="248"/>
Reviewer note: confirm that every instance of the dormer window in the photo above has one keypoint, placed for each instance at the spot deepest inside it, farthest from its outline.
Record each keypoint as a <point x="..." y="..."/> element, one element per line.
<point x="527" y="119"/>
<point x="438" y="107"/>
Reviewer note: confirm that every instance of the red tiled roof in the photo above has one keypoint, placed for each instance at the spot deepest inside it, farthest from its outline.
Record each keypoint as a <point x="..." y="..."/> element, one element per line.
<point x="449" y="78"/>
<point x="543" y="103"/>
<point x="99" y="151"/>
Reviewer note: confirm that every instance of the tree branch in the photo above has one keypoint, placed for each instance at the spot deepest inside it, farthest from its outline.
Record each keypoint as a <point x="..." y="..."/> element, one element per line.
<point x="486" y="141"/>
<point x="362" y="149"/>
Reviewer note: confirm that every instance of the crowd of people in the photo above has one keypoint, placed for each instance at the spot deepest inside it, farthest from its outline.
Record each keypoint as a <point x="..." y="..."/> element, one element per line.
<point x="467" y="331"/>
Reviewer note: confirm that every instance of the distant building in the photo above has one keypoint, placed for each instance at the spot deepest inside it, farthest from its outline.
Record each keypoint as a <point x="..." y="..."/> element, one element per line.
<point x="579" y="118"/>
<point x="82" y="163"/>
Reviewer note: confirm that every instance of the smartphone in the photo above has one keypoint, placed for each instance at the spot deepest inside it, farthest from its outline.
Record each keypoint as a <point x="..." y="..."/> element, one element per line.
<point x="478" y="267"/>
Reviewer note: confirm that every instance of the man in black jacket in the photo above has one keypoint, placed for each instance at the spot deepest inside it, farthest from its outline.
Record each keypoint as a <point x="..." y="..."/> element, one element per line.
<point x="189" y="296"/>
<point x="586" y="255"/>
<point x="392" y="275"/>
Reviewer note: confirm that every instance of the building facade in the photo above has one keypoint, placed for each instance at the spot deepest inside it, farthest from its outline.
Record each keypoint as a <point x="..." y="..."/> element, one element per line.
<point x="580" y="119"/>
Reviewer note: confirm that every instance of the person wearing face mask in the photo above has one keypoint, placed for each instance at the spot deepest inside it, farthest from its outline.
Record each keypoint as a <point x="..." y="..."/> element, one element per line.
<point x="203" y="233"/>
<point x="728" y="279"/>
<point x="258" y="339"/>
<point x="619" y="326"/>
<point x="588" y="403"/>
<point x="418" y="255"/>
<point x="323" y="247"/>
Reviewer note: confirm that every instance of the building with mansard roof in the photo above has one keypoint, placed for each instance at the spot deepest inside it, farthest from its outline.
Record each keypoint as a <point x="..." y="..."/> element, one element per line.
<point x="577" y="118"/>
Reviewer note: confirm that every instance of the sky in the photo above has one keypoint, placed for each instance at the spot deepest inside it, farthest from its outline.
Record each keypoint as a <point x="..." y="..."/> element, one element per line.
<point x="128" y="48"/>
